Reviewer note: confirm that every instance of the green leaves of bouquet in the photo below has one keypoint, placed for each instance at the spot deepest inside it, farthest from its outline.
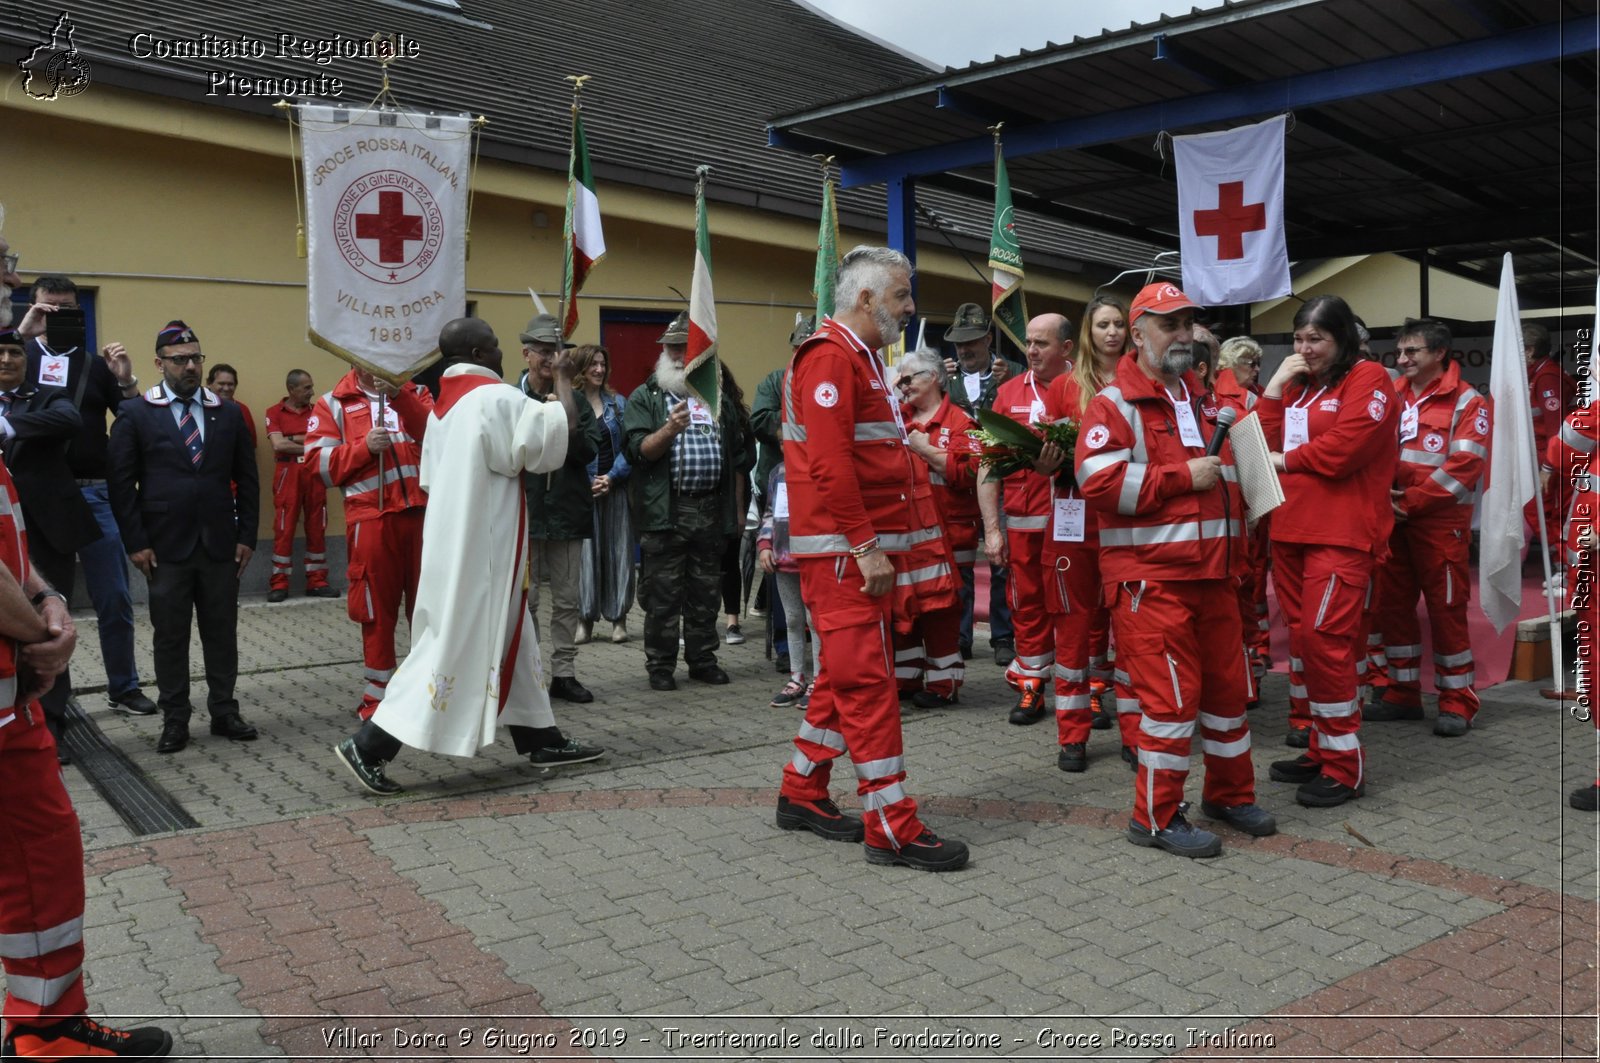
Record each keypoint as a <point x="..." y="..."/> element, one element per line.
<point x="1009" y="447"/>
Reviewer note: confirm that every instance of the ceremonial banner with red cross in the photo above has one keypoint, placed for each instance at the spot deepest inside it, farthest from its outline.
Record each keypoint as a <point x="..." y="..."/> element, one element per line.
<point x="386" y="233"/>
<point x="1230" y="214"/>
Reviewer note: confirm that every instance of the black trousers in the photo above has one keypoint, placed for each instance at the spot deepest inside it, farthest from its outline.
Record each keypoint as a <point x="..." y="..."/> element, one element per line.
<point x="58" y="571"/>
<point x="196" y="587"/>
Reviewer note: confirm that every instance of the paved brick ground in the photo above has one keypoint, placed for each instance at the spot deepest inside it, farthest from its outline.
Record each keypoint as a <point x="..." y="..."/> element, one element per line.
<point x="498" y="911"/>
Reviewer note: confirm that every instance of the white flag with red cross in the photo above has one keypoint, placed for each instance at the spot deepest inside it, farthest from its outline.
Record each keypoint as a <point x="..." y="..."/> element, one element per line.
<point x="1230" y="214"/>
<point x="386" y="232"/>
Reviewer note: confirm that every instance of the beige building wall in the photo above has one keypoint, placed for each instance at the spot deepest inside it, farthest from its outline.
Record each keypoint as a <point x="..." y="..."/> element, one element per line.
<point x="1383" y="290"/>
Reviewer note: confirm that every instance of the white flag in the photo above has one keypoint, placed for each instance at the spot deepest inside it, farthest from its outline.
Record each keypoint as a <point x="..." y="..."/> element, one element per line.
<point x="1511" y="464"/>
<point x="1230" y="214"/>
<point x="386" y="227"/>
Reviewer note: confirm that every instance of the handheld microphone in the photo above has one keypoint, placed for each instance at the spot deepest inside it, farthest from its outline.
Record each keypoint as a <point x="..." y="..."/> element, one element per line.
<point x="1225" y="418"/>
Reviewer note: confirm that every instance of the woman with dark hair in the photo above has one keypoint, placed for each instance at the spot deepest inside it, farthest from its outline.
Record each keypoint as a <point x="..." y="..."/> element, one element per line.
<point x="733" y="582"/>
<point x="1333" y="422"/>
<point x="606" y="577"/>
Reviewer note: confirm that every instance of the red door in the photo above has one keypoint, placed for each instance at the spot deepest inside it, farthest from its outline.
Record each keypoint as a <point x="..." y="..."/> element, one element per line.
<point x="633" y="338"/>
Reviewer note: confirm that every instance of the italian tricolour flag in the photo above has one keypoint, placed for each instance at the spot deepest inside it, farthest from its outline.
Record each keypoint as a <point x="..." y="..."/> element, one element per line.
<point x="585" y="243"/>
<point x="700" y="361"/>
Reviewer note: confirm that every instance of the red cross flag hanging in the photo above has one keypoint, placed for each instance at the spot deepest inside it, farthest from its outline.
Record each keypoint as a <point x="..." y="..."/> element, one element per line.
<point x="386" y="223"/>
<point x="1230" y="214"/>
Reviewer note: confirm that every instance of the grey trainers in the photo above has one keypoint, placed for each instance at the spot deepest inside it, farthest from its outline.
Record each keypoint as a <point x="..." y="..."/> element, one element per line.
<point x="368" y="774"/>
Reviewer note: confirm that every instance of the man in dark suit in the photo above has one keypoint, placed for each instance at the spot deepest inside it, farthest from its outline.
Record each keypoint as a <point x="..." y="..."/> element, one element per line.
<point x="36" y="426"/>
<point x="174" y="457"/>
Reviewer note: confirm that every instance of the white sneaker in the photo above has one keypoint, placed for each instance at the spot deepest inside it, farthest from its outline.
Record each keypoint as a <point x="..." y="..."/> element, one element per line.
<point x="735" y="637"/>
<point x="583" y="634"/>
<point x="619" y="631"/>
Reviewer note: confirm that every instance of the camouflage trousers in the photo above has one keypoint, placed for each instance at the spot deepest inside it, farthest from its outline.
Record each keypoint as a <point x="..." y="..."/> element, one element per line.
<point x="680" y="572"/>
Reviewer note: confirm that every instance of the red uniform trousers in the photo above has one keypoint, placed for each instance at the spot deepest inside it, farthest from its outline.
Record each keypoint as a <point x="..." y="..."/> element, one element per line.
<point x="1035" y="639"/>
<point x="1253" y="601"/>
<point x="1182" y="647"/>
<point x="853" y="705"/>
<point x="1072" y="600"/>
<point x="41" y="877"/>
<point x="928" y="657"/>
<point x="1555" y="511"/>
<point x="1324" y="591"/>
<point x="1429" y="558"/>
<point x="385" y="564"/>
<point x="297" y="487"/>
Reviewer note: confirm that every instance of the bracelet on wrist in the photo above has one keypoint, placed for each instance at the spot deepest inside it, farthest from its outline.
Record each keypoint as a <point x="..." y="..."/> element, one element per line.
<point x="858" y="552"/>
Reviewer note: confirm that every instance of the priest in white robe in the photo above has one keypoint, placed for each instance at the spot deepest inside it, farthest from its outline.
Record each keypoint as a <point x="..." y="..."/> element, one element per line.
<point x="474" y="660"/>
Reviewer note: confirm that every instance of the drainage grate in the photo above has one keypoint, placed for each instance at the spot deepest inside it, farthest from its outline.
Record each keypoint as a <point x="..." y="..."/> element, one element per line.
<point x="143" y="805"/>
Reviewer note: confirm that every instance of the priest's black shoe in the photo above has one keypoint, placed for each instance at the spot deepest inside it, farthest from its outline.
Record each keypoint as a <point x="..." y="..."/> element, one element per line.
<point x="710" y="673"/>
<point x="662" y="681"/>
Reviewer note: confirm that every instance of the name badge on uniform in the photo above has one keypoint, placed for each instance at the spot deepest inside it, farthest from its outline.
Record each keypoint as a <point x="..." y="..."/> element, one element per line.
<point x="780" y="503"/>
<point x="1188" y="428"/>
<point x="53" y="371"/>
<point x="1408" y="424"/>
<point x="699" y="412"/>
<point x="1296" y="428"/>
<point x="1036" y="411"/>
<point x="1068" y="524"/>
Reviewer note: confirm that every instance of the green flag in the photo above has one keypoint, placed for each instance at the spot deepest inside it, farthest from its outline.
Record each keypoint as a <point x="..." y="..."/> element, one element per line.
<point x="1007" y="305"/>
<point x="827" y="250"/>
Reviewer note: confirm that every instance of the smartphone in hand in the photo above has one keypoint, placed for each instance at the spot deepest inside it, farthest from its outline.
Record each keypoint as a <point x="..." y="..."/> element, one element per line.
<point x="65" y="330"/>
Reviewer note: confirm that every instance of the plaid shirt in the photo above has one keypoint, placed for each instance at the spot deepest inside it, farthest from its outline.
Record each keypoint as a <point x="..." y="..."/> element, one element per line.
<point x="696" y="455"/>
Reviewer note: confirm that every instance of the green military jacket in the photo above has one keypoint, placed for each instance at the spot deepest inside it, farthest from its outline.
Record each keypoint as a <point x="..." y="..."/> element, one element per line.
<point x="650" y="486"/>
<point x="766" y="421"/>
<point x="561" y="503"/>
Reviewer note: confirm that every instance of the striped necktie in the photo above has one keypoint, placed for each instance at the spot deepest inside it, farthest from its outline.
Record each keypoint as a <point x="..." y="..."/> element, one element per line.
<point x="190" y="431"/>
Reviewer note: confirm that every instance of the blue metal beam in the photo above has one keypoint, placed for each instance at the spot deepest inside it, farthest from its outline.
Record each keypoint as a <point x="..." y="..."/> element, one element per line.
<point x="1536" y="44"/>
<point x="903" y="220"/>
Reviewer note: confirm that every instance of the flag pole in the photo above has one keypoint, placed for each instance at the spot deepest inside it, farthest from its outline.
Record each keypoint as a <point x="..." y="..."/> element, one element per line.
<point x="572" y="147"/>
<point x="1557" y="650"/>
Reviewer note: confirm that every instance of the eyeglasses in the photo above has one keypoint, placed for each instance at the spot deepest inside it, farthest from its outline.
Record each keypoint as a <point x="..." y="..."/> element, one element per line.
<point x="11" y="262"/>
<point x="905" y="382"/>
<point x="1411" y="352"/>
<point x="1251" y="362"/>
<point x="184" y="359"/>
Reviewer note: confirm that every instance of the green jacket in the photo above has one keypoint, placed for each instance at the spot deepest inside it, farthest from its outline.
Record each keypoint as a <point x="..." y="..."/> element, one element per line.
<point x="560" y="503"/>
<point x="766" y="420"/>
<point x="650" y="486"/>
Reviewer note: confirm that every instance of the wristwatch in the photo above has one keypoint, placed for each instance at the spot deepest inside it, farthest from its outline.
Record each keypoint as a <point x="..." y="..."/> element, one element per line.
<point x="48" y="592"/>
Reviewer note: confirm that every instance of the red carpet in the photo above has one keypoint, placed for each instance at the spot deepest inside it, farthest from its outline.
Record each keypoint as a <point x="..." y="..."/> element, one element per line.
<point x="1491" y="652"/>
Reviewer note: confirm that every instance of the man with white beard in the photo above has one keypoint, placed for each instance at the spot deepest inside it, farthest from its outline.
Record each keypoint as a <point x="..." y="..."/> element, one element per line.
<point x="687" y="462"/>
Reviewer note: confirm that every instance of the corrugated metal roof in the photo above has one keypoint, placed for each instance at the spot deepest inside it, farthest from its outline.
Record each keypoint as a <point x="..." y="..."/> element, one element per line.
<point x="676" y="84"/>
<point x="1466" y="167"/>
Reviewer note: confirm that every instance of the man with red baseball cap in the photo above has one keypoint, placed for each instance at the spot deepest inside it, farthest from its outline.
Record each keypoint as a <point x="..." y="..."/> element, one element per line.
<point x="1171" y="549"/>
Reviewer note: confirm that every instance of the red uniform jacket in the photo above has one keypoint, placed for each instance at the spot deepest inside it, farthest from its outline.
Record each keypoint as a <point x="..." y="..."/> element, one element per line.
<point x="337" y="441"/>
<point x="14" y="556"/>
<point x="1027" y="494"/>
<point x="954" y="493"/>
<point x="288" y="422"/>
<point x="1336" y="486"/>
<point x="1550" y="393"/>
<point x="1443" y="460"/>
<point x="1133" y="469"/>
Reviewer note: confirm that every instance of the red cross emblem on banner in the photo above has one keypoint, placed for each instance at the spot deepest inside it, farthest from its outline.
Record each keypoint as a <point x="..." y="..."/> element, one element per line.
<point x="391" y="227"/>
<point x="1231" y="219"/>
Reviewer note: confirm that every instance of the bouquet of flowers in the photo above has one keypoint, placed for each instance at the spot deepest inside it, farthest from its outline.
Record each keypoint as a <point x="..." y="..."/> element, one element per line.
<point x="1009" y="447"/>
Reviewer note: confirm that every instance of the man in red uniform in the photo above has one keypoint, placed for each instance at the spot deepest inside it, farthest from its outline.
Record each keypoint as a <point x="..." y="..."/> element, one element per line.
<point x="1550" y="392"/>
<point x="41" y="847"/>
<point x="1444" y="440"/>
<point x="1172" y="550"/>
<point x="364" y="421"/>
<point x="1026" y="503"/>
<point x="857" y="518"/>
<point x="296" y="488"/>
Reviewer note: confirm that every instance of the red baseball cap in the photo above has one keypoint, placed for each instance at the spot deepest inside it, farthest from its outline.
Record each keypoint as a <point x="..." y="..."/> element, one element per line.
<point x="1161" y="298"/>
